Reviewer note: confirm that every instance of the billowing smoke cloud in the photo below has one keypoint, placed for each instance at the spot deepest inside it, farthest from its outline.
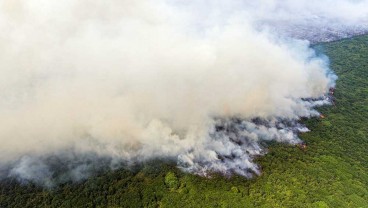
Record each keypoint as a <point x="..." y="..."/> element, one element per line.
<point x="91" y="85"/>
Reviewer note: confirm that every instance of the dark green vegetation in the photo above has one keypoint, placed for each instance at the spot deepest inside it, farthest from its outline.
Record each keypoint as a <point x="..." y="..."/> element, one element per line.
<point x="331" y="172"/>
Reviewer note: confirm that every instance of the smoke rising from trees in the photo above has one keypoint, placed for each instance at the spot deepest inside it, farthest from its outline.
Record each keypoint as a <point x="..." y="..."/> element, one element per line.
<point x="116" y="82"/>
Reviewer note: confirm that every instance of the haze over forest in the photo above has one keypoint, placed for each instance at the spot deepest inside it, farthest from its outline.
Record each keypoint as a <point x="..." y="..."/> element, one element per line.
<point x="86" y="86"/>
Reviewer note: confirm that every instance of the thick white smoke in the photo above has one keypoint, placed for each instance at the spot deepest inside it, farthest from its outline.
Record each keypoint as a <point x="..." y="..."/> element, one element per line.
<point x="136" y="80"/>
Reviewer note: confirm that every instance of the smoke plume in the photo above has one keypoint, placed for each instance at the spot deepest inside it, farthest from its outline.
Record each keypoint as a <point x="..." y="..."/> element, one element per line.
<point x="88" y="85"/>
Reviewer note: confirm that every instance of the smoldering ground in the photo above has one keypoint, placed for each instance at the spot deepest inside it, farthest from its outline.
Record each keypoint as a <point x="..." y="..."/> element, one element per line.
<point x="128" y="81"/>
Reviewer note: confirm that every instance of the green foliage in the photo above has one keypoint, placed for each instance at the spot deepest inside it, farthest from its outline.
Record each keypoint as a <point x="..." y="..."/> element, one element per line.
<point x="331" y="172"/>
<point x="320" y="204"/>
<point x="171" y="180"/>
<point x="234" y="189"/>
